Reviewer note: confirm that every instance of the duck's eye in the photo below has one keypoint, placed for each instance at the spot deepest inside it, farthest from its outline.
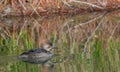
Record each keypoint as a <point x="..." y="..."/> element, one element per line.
<point x="48" y="46"/>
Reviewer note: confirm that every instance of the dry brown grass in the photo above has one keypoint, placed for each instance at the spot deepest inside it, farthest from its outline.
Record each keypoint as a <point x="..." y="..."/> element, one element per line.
<point x="39" y="7"/>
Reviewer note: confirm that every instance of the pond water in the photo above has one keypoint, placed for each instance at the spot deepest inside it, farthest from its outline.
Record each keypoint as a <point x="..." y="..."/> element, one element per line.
<point x="88" y="42"/>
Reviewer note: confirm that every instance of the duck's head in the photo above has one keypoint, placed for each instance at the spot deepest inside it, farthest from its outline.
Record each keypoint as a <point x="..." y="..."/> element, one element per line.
<point x="47" y="45"/>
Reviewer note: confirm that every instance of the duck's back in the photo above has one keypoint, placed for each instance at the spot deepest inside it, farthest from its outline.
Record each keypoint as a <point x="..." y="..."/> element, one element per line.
<point x="33" y="51"/>
<point x="33" y="55"/>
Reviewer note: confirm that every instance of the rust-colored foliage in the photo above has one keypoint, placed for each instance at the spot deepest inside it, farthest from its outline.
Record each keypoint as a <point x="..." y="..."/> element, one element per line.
<point x="50" y="3"/>
<point x="34" y="6"/>
<point x="45" y="7"/>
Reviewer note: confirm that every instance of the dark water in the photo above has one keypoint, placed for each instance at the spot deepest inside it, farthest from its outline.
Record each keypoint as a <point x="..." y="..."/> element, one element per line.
<point x="88" y="42"/>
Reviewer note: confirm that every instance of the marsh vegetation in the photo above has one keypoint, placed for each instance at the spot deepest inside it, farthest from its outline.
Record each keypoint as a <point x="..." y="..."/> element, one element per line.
<point x="87" y="42"/>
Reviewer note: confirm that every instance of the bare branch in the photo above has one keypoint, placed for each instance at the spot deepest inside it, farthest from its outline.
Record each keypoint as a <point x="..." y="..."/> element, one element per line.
<point x="35" y="11"/>
<point x="22" y="4"/>
<point x="38" y="6"/>
<point x="66" y="3"/>
<point x="93" y="5"/>
<point x="102" y="3"/>
<point x="92" y="34"/>
<point x="76" y="26"/>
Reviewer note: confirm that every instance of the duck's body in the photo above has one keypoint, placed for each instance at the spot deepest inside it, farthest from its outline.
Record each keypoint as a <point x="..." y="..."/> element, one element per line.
<point x="39" y="55"/>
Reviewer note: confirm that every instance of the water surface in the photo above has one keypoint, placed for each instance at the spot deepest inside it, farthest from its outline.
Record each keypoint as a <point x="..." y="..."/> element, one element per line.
<point x="88" y="42"/>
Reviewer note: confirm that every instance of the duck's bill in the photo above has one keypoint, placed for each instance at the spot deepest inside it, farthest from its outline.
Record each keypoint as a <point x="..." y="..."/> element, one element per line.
<point x="54" y="47"/>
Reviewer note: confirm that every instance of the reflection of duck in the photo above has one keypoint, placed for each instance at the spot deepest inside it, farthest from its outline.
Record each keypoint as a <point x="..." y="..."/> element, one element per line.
<point x="38" y="56"/>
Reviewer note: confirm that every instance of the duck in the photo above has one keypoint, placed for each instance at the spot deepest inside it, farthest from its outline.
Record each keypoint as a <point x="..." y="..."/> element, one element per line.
<point x="39" y="55"/>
